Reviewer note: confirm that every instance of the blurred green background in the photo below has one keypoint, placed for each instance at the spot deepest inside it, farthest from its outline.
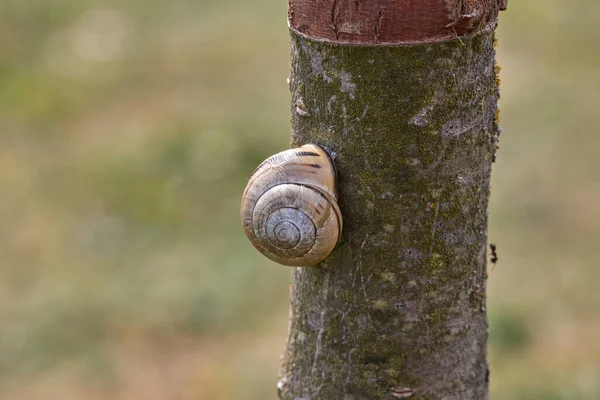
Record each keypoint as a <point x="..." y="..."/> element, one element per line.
<point x="127" y="132"/>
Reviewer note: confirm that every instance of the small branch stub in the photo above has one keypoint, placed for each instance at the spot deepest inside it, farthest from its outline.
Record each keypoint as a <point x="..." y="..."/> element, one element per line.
<point x="402" y="393"/>
<point x="289" y="208"/>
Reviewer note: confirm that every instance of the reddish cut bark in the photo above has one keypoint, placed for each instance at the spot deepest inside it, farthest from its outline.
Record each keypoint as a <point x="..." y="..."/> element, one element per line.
<point x="391" y="21"/>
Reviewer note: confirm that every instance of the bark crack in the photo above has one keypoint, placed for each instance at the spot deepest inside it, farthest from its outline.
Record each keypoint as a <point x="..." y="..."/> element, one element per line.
<point x="377" y="27"/>
<point x="335" y="11"/>
<point x="435" y="220"/>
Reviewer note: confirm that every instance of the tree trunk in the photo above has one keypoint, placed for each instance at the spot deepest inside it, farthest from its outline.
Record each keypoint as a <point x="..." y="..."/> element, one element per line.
<point x="405" y="94"/>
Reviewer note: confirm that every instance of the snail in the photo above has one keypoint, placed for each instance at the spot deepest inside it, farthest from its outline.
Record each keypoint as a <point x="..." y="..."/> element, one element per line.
<point x="289" y="207"/>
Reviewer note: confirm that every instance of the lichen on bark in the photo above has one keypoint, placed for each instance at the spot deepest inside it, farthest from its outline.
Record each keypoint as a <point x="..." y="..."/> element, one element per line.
<point x="398" y="309"/>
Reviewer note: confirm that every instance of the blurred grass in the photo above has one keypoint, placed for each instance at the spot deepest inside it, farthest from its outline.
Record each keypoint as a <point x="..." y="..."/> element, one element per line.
<point x="127" y="131"/>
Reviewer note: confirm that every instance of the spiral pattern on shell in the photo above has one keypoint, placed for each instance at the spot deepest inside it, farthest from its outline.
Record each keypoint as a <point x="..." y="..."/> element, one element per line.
<point x="289" y="208"/>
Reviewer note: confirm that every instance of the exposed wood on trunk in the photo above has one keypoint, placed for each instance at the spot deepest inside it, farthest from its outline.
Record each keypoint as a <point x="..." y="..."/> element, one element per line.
<point x="391" y="21"/>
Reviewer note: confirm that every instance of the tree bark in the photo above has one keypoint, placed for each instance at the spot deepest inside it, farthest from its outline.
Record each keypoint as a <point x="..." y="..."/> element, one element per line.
<point x="398" y="309"/>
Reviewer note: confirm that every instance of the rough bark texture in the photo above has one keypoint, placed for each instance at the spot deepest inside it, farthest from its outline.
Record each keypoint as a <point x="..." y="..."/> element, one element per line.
<point x="391" y="21"/>
<point x="398" y="309"/>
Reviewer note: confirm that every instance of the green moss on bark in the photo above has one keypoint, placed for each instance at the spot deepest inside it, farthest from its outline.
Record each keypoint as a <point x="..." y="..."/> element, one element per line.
<point x="401" y="301"/>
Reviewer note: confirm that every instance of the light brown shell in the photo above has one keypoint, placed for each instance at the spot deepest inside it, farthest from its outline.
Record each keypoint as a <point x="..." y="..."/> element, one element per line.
<point x="289" y="208"/>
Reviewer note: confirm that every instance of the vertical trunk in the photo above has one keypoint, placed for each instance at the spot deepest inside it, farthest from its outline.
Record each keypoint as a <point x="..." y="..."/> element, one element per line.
<point x="398" y="309"/>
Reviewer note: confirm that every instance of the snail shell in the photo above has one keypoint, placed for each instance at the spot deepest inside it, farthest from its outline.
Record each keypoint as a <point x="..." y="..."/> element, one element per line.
<point x="289" y="208"/>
